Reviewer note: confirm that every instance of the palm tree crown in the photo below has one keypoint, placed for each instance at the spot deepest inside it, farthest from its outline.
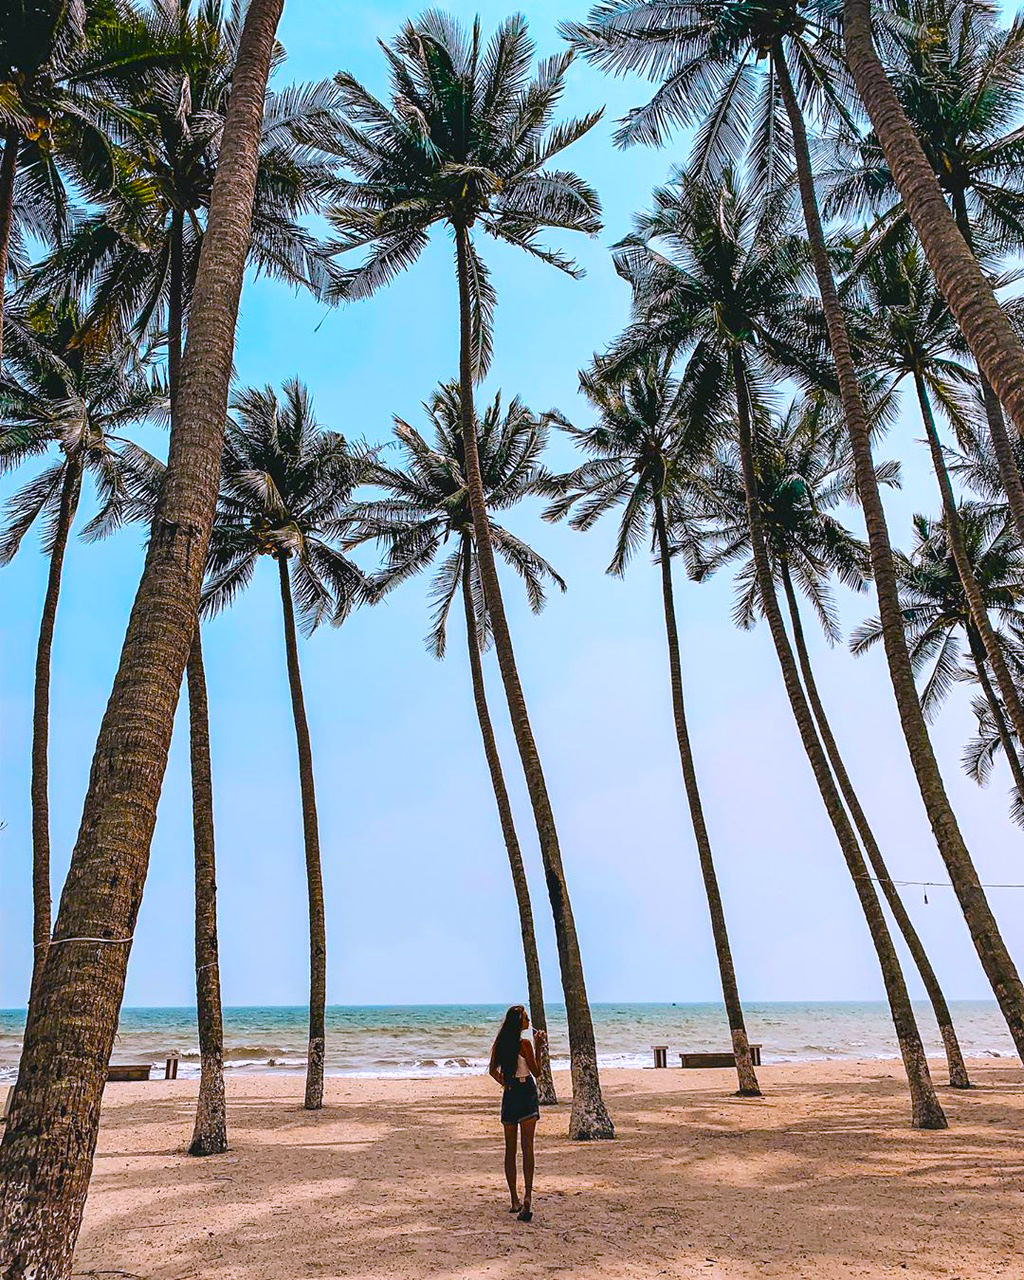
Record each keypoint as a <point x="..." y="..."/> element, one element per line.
<point x="646" y="448"/>
<point x="717" y="64"/>
<point x="142" y="247"/>
<point x="427" y="504"/>
<point x="285" y="487"/>
<point x="718" y="273"/>
<point x="76" y="397"/>
<point x="466" y="141"/>
<point x="804" y="473"/>
<point x="957" y="72"/>
<point x="935" y="608"/>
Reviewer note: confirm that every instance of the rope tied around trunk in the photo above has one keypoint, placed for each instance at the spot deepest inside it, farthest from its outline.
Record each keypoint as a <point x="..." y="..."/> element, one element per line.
<point x="58" y="942"/>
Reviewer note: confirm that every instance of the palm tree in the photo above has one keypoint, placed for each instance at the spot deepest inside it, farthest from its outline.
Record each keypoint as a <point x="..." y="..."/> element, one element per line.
<point x="424" y="509"/>
<point x="905" y="330"/>
<point x="957" y="76"/>
<point x="465" y="143"/>
<point x="977" y="68"/>
<point x="62" y="67"/>
<point x="138" y="254"/>
<point x="803" y="473"/>
<point x="739" y="68"/>
<point x="649" y="438"/>
<point x="726" y="290"/>
<point x="936" y="611"/>
<point x="49" y="1140"/>
<point x="285" y="487"/>
<point x="74" y="399"/>
<point x="210" y="1131"/>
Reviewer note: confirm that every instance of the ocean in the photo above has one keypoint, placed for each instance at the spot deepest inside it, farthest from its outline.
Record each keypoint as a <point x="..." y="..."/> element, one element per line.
<point x="441" y="1040"/>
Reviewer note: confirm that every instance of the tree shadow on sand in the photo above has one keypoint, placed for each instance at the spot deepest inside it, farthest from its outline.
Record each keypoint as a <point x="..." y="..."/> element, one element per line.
<point x="817" y="1180"/>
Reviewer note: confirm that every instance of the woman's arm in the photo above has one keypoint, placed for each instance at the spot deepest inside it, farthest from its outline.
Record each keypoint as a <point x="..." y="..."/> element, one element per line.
<point x="494" y="1071"/>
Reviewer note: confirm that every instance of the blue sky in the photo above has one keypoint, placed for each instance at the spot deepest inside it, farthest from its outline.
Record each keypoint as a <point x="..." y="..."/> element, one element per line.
<point x="419" y="902"/>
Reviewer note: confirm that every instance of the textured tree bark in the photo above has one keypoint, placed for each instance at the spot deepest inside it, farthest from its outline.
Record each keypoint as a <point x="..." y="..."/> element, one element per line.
<point x="748" y="1086"/>
<point x="175" y="307"/>
<point x="958" y="1076"/>
<point x="589" y="1118"/>
<point x="1006" y="459"/>
<point x="1002" y="728"/>
<point x="71" y="488"/>
<point x="210" y="1133"/>
<point x="8" y="172"/>
<point x="48" y="1143"/>
<point x="534" y="986"/>
<point x="926" y="1110"/>
<point x="995" y="958"/>
<point x="965" y="570"/>
<point x="964" y="285"/>
<point x="314" y="871"/>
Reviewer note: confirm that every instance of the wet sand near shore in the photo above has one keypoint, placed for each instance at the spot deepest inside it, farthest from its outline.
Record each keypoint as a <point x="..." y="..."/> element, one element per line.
<point x="822" y="1179"/>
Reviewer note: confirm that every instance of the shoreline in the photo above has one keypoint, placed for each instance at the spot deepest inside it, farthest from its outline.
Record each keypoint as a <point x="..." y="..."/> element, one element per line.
<point x="449" y="1041"/>
<point x="822" y="1179"/>
<point x="189" y="1067"/>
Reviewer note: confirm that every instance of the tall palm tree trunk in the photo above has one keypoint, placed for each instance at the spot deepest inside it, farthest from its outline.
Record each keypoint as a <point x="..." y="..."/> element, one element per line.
<point x="210" y="1134"/>
<point x="534" y="986"/>
<point x="749" y="1087"/>
<point x="1002" y="728"/>
<point x="964" y="285"/>
<point x="8" y="172"/>
<point x="590" y="1118"/>
<point x="995" y="958"/>
<point x="71" y="488"/>
<point x="314" y="871"/>
<point x="49" y="1141"/>
<point x="958" y="1076"/>
<point x="175" y="306"/>
<point x="964" y="568"/>
<point x="1006" y="460"/>
<point x="926" y="1110"/>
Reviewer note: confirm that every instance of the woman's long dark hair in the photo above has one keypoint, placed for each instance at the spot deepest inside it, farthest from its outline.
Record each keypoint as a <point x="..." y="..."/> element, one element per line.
<point x="505" y="1051"/>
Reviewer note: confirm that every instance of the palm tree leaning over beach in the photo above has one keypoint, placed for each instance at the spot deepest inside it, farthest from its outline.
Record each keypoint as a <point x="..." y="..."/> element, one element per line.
<point x="465" y="144"/>
<point x="729" y="67"/>
<point x="649" y="439"/>
<point x="803" y="471"/>
<point x="425" y="506"/>
<point x="717" y="276"/>
<point x="210" y="1130"/>
<point x="903" y="329"/>
<point x="957" y="74"/>
<point x="75" y="398"/>
<point x="937" y="614"/>
<point x="285" y="488"/>
<point x="946" y="233"/>
<point x="46" y="1153"/>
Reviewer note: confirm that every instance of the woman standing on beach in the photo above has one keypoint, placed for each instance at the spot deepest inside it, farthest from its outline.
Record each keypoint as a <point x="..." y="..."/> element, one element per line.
<point x="514" y="1066"/>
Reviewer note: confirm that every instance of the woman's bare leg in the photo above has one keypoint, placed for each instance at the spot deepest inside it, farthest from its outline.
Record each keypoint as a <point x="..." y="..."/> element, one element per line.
<point x="511" y="1131"/>
<point x="529" y="1129"/>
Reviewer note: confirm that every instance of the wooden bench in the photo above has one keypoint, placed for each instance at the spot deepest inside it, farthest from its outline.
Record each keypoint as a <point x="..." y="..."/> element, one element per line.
<point x="694" y="1061"/>
<point x="121" y="1071"/>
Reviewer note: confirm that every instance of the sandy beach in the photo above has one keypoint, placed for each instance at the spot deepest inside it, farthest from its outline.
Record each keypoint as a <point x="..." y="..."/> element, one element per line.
<point x="402" y="1178"/>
